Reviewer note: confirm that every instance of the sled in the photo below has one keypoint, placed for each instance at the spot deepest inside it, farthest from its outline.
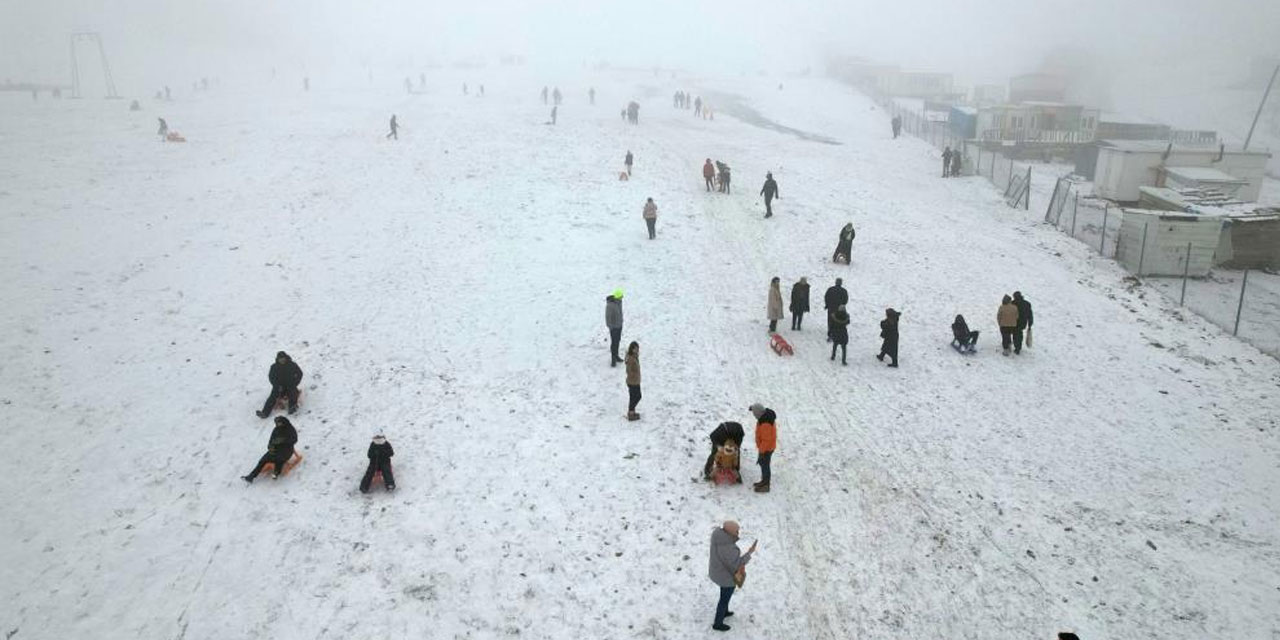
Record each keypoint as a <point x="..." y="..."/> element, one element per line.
<point x="376" y="480"/>
<point x="270" y="467"/>
<point x="283" y="401"/>
<point x="174" y="136"/>
<point x="725" y="468"/>
<point x="965" y="351"/>
<point x="780" y="345"/>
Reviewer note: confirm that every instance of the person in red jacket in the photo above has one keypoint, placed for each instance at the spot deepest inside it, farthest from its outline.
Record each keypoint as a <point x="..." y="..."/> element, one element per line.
<point x="766" y="442"/>
<point x="708" y="172"/>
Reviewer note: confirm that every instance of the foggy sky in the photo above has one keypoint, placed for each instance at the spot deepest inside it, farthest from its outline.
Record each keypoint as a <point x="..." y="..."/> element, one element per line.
<point x="152" y="42"/>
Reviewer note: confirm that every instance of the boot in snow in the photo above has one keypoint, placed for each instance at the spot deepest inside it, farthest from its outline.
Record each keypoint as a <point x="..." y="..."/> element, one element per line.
<point x="262" y="414"/>
<point x="247" y="479"/>
<point x="762" y="487"/>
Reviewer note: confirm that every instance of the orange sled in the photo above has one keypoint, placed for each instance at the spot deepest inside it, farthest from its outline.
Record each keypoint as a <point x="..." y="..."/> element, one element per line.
<point x="270" y="467"/>
<point x="780" y="345"/>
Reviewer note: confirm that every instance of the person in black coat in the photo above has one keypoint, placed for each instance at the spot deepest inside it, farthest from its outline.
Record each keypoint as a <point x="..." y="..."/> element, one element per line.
<point x="1025" y="320"/>
<point x="285" y="376"/>
<point x="769" y="191"/>
<point x="835" y="297"/>
<point x="946" y="162"/>
<point x="279" y="449"/>
<point x="799" y="303"/>
<point x="844" y="246"/>
<point x="838" y="327"/>
<point x="380" y="453"/>
<point x="965" y="340"/>
<point x="889" y="332"/>
<point x="723" y="433"/>
<point x="897" y="126"/>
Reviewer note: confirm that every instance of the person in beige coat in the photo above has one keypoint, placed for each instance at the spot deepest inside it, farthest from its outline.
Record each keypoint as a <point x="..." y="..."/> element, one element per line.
<point x="1007" y="317"/>
<point x="774" y="308"/>
<point x="633" y="379"/>
<point x="650" y="216"/>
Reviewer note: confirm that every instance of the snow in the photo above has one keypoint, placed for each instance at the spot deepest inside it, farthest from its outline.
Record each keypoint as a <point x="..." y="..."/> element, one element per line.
<point x="447" y="290"/>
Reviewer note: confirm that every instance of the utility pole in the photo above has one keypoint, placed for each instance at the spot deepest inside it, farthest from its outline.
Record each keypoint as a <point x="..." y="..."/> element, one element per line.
<point x="1260" y="105"/>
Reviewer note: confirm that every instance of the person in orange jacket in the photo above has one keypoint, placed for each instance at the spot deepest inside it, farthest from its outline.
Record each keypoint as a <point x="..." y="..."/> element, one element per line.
<point x="708" y="172"/>
<point x="766" y="442"/>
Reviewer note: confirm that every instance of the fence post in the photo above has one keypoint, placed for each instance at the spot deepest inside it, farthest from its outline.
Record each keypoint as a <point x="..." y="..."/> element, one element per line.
<point x="1240" y="307"/>
<point x="1142" y="253"/>
<point x="1075" y="209"/>
<point x="1101" y="245"/>
<point x="1186" y="268"/>
<point x="1052" y="199"/>
<point x="1027" y="205"/>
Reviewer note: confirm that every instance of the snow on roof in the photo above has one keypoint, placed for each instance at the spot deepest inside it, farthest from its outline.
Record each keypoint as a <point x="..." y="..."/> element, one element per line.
<point x="1203" y="174"/>
<point x="1158" y="146"/>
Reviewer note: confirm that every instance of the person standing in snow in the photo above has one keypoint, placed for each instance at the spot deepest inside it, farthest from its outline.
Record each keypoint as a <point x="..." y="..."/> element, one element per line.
<point x="844" y="246"/>
<point x="723" y="433"/>
<point x="544" y="95"/>
<point x="838" y="333"/>
<point x="889" y="334"/>
<point x="896" y="123"/>
<point x="708" y="173"/>
<point x="697" y="106"/>
<point x="380" y="453"/>
<point x="726" y="562"/>
<point x="773" y="308"/>
<point x="633" y="380"/>
<point x="946" y="161"/>
<point x="957" y="163"/>
<point x="766" y="443"/>
<point x="799" y="303"/>
<point x="835" y="297"/>
<point x="650" y="216"/>
<point x="1025" y="320"/>
<point x="553" y="114"/>
<point x="613" y="320"/>
<point x="1007" y="318"/>
<point x="724" y="177"/>
<point x="395" y="127"/>
<point x="591" y="95"/>
<point x="164" y="128"/>
<point x="285" y="376"/>
<point x="279" y="449"/>
<point x="555" y="95"/>
<point x="628" y="161"/>
<point x="769" y="191"/>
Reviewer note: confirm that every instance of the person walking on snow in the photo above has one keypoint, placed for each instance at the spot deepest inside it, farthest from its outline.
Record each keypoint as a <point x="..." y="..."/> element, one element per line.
<point x="553" y="114"/>
<point x="773" y="308"/>
<point x="844" y="246"/>
<point x="628" y="161"/>
<point x="164" y="128"/>
<point x="769" y="191"/>
<point x="555" y="95"/>
<point x="724" y="177"/>
<point x="650" y="216"/>
<point x="395" y="126"/>
<point x="946" y="161"/>
<point x="708" y="173"/>
<point x="957" y="163"/>
<point x="633" y="380"/>
<point x="838" y="333"/>
<point x="896" y="123"/>
<point x="835" y="297"/>
<point x="284" y="376"/>
<point x="1007" y="318"/>
<point x="380" y="453"/>
<point x="697" y="106"/>
<point x="726" y="561"/>
<point x="279" y="449"/>
<point x="766" y="443"/>
<point x="889" y="334"/>
<point x="1025" y="320"/>
<point x="799" y="303"/>
<point x="613" y="320"/>
<point x="723" y="433"/>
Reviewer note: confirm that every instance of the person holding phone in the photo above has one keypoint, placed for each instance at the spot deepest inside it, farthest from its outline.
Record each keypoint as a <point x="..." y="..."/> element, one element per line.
<point x="726" y="562"/>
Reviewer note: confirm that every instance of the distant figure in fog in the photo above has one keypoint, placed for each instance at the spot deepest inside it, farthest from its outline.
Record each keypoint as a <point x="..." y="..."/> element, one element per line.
<point x="164" y="128"/>
<point x="897" y="126"/>
<point x="395" y="127"/>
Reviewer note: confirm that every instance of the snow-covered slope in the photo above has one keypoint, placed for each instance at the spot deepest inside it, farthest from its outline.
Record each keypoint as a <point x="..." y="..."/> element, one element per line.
<point x="447" y="290"/>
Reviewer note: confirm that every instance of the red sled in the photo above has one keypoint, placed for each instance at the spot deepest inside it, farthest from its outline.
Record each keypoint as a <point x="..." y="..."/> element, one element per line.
<point x="780" y="345"/>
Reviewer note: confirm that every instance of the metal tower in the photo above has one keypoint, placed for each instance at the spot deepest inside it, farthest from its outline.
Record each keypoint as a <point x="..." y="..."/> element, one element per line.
<point x="94" y="37"/>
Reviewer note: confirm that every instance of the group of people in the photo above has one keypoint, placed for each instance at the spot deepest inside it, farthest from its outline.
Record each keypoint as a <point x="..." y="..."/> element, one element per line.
<point x="952" y="162"/>
<point x="1015" y="320"/>
<point x="684" y="100"/>
<point x="716" y="175"/>
<point x="631" y="362"/>
<point x="729" y="436"/>
<point x="285" y="377"/>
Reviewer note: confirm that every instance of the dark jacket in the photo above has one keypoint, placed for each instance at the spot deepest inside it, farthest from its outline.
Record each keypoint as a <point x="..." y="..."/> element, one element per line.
<point x="839" y="327"/>
<point x="629" y="159"/>
<point x="835" y="296"/>
<point x="727" y="431"/>
<point x="380" y="452"/>
<point x="889" y="329"/>
<point x="283" y="437"/>
<point x="1025" y="320"/>
<point x="800" y="297"/>
<point x="287" y="375"/>
<point x="770" y="189"/>
<point x="960" y="328"/>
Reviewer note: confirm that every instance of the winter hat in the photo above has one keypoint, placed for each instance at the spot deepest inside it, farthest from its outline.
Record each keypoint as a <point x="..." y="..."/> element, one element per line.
<point x="617" y="293"/>
<point x="281" y="354"/>
<point x="757" y="410"/>
<point x="379" y="439"/>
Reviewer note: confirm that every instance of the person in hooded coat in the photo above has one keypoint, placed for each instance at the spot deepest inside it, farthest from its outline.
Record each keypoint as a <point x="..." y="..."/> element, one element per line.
<point x="838" y="333"/>
<point x="380" y="453"/>
<point x="1007" y="318"/>
<point x="844" y="246"/>
<point x="279" y="449"/>
<point x="725" y="562"/>
<point x="835" y="297"/>
<point x="285" y="376"/>
<point x="650" y="216"/>
<point x="889" y="334"/>
<point x="766" y="443"/>
<point x="1025" y="320"/>
<point x="632" y="362"/>
<point x="799" y="303"/>
<point x="708" y="173"/>
<point x="965" y="340"/>
<point x="724" y="432"/>
<point x="769" y="191"/>
<point x="774" y="306"/>
<point x="613" y="321"/>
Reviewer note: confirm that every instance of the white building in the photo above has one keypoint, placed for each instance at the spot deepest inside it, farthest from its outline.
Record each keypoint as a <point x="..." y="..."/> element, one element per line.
<point x="1125" y="165"/>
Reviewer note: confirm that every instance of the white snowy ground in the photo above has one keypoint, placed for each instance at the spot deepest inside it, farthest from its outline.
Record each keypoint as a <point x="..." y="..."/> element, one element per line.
<point x="1117" y="479"/>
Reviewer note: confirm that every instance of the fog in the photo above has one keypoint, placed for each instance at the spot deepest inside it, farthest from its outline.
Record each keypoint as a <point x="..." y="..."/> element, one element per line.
<point x="152" y="42"/>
